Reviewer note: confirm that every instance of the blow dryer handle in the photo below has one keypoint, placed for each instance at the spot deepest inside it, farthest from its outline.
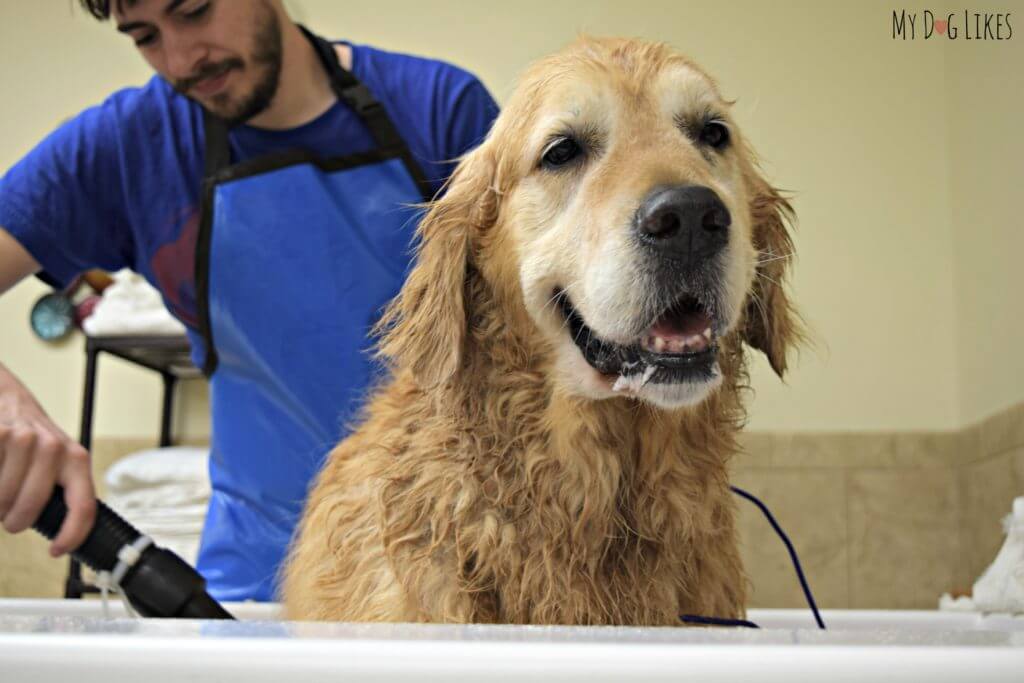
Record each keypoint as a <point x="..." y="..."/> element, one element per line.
<point x="158" y="584"/>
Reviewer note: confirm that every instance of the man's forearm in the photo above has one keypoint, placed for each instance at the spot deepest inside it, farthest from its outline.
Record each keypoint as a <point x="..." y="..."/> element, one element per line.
<point x="15" y="263"/>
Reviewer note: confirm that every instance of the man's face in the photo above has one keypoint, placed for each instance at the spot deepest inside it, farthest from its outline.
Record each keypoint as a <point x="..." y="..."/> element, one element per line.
<point x="224" y="54"/>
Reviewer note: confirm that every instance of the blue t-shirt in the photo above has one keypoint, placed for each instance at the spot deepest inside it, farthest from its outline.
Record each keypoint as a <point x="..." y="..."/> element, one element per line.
<point x="119" y="185"/>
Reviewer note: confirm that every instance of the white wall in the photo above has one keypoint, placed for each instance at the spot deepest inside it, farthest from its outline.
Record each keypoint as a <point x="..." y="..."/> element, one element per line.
<point x="869" y="133"/>
<point x="985" y="105"/>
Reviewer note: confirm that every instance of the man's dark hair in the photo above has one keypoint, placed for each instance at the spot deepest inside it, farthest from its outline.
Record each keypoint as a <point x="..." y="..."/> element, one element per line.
<point x="101" y="8"/>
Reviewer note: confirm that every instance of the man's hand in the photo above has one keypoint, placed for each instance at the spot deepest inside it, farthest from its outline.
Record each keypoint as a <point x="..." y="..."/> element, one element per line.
<point x="34" y="456"/>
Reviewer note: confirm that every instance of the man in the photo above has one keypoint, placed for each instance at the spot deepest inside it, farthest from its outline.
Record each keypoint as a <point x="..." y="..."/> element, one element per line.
<point x="263" y="182"/>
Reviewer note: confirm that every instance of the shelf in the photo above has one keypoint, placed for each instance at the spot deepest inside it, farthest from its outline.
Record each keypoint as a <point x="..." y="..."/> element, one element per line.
<point x="171" y="354"/>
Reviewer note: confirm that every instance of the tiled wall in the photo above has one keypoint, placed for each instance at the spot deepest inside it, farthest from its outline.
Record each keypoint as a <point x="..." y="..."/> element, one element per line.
<point x="886" y="521"/>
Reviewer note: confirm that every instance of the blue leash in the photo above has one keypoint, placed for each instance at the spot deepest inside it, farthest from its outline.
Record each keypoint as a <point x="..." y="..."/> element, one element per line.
<point x="715" y="621"/>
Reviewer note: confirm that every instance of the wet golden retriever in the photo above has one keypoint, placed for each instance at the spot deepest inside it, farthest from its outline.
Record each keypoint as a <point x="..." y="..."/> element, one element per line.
<point x="567" y="365"/>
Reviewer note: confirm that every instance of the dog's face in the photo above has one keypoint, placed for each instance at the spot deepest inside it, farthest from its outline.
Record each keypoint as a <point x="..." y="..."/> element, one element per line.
<point x="618" y="204"/>
<point x="633" y="228"/>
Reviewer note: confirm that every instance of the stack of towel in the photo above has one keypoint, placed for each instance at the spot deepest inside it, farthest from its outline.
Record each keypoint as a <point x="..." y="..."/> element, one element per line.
<point x="163" y="493"/>
<point x="131" y="306"/>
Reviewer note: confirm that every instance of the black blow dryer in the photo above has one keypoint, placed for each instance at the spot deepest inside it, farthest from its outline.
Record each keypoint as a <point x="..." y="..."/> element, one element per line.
<point x="157" y="584"/>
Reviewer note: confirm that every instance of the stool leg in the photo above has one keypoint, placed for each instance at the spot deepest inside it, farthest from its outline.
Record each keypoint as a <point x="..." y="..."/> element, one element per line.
<point x="85" y="434"/>
<point x="73" y="586"/>
<point x="165" y="419"/>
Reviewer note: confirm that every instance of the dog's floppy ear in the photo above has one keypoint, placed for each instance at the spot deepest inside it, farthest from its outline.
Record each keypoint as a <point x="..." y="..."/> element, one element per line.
<point x="424" y="328"/>
<point x="772" y="324"/>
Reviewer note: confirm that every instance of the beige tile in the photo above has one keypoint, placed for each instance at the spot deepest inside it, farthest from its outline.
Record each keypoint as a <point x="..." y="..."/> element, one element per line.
<point x="963" y="573"/>
<point x="784" y="449"/>
<point x="848" y="450"/>
<point x="757" y="449"/>
<point x="26" y="568"/>
<point x="926" y="449"/>
<point x="1017" y="463"/>
<point x="1004" y="431"/>
<point x="810" y="506"/>
<point x="903" y="537"/>
<point x="990" y="487"/>
<point x="762" y="449"/>
<point x="814" y="450"/>
<point x="969" y="444"/>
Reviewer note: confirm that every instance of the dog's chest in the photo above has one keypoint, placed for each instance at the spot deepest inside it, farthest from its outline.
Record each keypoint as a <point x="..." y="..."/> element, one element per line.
<point x="560" y="559"/>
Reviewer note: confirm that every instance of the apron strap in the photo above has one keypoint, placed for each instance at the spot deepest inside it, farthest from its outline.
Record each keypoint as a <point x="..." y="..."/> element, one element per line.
<point x="218" y="157"/>
<point x="349" y="90"/>
<point x="359" y="98"/>
<point x="217" y="147"/>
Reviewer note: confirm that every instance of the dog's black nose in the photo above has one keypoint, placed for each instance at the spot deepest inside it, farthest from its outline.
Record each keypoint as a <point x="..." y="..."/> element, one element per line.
<point x="684" y="222"/>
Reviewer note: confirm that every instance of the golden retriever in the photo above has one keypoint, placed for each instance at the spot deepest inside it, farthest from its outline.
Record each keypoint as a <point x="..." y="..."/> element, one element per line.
<point x="567" y="368"/>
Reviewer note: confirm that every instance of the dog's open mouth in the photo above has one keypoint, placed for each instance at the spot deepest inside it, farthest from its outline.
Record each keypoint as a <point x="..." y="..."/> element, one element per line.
<point x="679" y="346"/>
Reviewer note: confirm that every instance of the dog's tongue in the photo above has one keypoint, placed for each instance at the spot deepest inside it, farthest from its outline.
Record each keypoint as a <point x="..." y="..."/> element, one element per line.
<point x="681" y="325"/>
<point x="681" y="330"/>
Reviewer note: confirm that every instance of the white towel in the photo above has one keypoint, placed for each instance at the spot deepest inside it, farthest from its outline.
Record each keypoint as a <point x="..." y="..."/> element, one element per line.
<point x="158" y="466"/>
<point x="1001" y="587"/>
<point x="164" y="493"/>
<point x="131" y="306"/>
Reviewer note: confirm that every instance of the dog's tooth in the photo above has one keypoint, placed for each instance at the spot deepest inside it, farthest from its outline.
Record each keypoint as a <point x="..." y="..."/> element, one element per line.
<point x="707" y="334"/>
<point x="659" y="344"/>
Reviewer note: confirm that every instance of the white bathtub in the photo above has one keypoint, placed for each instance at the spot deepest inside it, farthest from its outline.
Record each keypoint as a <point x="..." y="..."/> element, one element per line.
<point x="51" y="640"/>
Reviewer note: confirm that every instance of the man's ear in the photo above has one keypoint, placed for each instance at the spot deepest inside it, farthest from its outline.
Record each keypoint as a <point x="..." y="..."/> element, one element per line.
<point x="424" y="328"/>
<point x="771" y="322"/>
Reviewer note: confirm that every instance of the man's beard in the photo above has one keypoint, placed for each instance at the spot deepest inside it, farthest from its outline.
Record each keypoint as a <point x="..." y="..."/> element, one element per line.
<point x="265" y="62"/>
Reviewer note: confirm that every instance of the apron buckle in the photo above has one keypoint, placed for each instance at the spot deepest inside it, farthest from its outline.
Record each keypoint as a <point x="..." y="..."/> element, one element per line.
<point x="359" y="98"/>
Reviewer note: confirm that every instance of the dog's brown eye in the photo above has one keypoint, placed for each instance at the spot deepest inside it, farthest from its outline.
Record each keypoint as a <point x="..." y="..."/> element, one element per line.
<point x="715" y="134"/>
<point x="560" y="153"/>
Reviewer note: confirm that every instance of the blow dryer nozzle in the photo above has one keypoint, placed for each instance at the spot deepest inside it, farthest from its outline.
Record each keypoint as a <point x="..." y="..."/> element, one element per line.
<point x="157" y="584"/>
